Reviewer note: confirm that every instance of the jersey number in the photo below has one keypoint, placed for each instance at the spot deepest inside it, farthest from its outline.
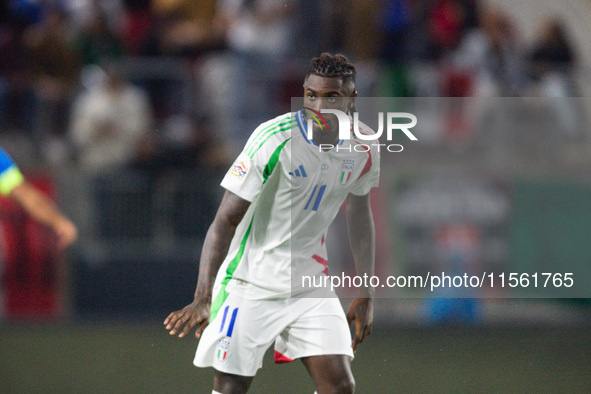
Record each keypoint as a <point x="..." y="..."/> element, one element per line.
<point x="318" y="197"/>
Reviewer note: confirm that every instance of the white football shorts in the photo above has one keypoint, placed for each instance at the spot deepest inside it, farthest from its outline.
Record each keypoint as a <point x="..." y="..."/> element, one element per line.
<point x="237" y="338"/>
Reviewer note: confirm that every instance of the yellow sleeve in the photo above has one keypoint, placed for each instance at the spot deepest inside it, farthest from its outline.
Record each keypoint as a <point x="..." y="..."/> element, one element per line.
<point x="10" y="179"/>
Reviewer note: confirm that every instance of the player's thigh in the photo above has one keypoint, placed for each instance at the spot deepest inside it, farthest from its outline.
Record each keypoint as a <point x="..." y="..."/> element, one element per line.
<point x="320" y="328"/>
<point x="331" y="373"/>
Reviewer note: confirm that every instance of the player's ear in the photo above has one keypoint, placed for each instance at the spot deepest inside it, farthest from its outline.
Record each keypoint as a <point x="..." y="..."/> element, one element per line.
<point x="351" y="106"/>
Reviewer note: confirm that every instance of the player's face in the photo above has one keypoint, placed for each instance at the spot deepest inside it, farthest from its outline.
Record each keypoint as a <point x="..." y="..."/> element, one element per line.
<point x="327" y="93"/>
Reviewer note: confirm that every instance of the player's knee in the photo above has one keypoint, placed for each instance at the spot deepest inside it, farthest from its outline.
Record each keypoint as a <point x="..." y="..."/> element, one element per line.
<point x="345" y="385"/>
<point x="229" y="383"/>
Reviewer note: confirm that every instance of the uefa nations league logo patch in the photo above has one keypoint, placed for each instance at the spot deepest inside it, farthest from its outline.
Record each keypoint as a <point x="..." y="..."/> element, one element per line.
<point x="239" y="170"/>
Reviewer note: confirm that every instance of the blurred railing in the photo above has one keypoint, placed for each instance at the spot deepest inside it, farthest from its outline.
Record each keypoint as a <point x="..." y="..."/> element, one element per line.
<point x="141" y="238"/>
<point x="170" y="82"/>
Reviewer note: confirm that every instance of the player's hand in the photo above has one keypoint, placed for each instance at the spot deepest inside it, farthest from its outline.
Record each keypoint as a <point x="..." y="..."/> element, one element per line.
<point x="361" y="313"/>
<point x="196" y="313"/>
<point x="66" y="232"/>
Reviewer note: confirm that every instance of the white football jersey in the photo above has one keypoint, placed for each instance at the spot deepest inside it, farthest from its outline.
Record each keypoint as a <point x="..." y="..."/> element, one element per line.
<point x="295" y="191"/>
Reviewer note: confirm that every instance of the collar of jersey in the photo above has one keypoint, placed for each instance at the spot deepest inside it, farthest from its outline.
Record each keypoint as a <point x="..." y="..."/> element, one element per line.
<point x="302" y="127"/>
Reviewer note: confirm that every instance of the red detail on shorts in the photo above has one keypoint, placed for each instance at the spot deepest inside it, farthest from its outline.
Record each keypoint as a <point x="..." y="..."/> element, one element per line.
<point x="281" y="359"/>
<point x="322" y="240"/>
<point x="323" y="262"/>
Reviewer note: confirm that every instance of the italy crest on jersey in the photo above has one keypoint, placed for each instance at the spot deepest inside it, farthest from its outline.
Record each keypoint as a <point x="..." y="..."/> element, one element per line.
<point x="346" y="171"/>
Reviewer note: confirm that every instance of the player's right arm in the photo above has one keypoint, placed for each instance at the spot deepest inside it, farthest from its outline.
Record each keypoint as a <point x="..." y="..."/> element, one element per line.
<point x="43" y="210"/>
<point x="242" y="182"/>
<point x="215" y="248"/>
<point x="14" y="186"/>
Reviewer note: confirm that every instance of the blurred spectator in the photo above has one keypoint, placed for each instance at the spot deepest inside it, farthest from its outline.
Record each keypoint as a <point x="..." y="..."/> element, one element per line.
<point x="27" y="12"/>
<point x="15" y="95"/>
<point x="111" y="125"/>
<point x="489" y="56"/>
<point x="55" y="68"/>
<point x="138" y="34"/>
<point x="311" y="29"/>
<point x="445" y="26"/>
<point x="553" y="47"/>
<point x="187" y="27"/>
<point x="394" y="25"/>
<point x="458" y="248"/>
<point x="188" y="142"/>
<point x="96" y="42"/>
<point x="85" y="12"/>
<point x="241" y="84"/>
<point x="258" y="27"/>
<point x="552" y="59"/>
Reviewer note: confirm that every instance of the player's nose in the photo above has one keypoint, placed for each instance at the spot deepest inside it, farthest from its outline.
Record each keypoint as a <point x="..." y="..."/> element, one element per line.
<point x="316" y="105"/>
<point x="321" y="103"/>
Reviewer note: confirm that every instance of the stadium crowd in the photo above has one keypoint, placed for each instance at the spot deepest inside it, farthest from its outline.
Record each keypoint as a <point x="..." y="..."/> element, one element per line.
<point x="64" y="69"/>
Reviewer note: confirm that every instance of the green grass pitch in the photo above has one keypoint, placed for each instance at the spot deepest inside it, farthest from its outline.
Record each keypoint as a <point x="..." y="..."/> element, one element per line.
<point x="143" y="358"/>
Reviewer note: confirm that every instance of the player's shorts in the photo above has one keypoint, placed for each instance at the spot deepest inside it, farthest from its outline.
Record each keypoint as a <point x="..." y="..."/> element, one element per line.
<point x="237" y="338"/>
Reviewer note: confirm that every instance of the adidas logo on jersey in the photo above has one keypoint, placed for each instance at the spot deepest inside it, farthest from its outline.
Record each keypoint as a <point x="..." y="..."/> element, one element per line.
<point x="299" y="172"/>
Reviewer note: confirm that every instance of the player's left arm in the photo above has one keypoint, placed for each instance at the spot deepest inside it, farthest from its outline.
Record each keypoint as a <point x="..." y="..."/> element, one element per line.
<point x="360" y="227"/>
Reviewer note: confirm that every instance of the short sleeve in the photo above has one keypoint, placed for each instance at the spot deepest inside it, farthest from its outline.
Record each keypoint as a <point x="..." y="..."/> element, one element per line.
<point x="244" y="178"/>
<point x="260" y="156"/>
<point x="10" y="175"/>
<point x="370" y="175"/>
